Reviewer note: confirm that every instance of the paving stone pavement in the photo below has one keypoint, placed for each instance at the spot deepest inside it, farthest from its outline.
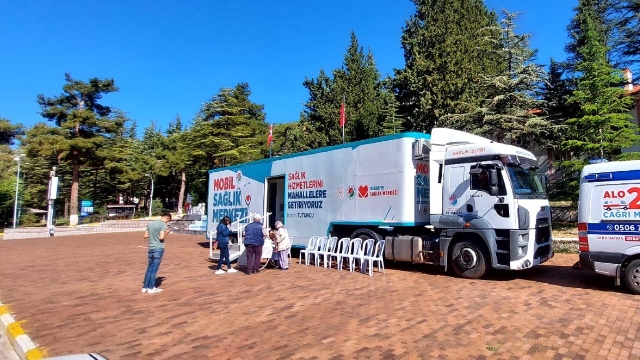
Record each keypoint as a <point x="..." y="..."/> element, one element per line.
<point x="82" y="294"/>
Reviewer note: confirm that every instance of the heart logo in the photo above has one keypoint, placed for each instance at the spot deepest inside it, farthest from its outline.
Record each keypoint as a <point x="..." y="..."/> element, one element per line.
<point x="363" y="191"/>
<point x="247" y="199"/>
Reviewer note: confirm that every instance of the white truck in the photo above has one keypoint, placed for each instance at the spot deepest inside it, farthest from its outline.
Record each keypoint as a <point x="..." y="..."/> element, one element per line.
<point x="450" y="198"/>
<point x="609" y="221"/>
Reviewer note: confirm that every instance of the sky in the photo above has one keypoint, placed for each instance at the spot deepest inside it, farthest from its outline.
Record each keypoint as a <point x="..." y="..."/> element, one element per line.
<point x="169" y="57"/>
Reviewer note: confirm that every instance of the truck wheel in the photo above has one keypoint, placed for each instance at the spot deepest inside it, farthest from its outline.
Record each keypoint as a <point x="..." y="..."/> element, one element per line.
<point x="468" y="260"/>
<point x="632" y="276"/>
<point x="365" y="234"/>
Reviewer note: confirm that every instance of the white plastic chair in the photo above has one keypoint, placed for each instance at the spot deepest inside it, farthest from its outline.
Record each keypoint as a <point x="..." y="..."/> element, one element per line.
<point x="329" y="249"/>
<point x="354" y="248"/>
<point x="342" y="247"/>
<point x="365" y="251"/>
<point x="321" y="245"/>
<point x="378" y="256"/>
<point x="310" y="247"/>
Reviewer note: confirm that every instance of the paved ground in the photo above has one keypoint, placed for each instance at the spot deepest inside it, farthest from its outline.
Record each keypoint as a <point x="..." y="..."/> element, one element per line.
<point x="82" y="294"/>
<point x="6" y="350"/>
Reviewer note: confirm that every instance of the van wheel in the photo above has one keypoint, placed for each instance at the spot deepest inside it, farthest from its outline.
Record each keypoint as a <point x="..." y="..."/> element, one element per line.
<point x="632" y="276"/>
<point x="468" y="260"/>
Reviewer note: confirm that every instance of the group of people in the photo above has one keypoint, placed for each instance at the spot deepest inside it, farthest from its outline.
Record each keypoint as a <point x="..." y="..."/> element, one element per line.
<point x="254" y="238"/>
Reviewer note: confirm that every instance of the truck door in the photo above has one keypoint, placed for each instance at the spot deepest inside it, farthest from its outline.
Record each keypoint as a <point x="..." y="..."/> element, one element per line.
<point x="483" y="200"/>
<point x="455" y="195"/>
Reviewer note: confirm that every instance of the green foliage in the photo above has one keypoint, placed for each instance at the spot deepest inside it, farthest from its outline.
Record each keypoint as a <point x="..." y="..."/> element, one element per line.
<point x="230" y="129"/>
<point x="9" y="132"/>
<point x="359" y="85"/>
<point x="156" y="207"/>
<point x="628" y="23"/>
<point x="83" y="126"/>
<point x="602" y="126"/>
<point x="506" y="115"/>
<point x="29" y="219"/>
<point x="449" y="46"/>
<point x="628" y="156"/>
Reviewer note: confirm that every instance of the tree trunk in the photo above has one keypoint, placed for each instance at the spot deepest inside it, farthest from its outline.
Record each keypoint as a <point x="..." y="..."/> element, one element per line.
<point x="183" y="185"/>
<point x="75" y="181"/>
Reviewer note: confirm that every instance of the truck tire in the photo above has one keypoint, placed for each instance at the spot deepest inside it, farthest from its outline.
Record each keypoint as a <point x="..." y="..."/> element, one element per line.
<point x="632" y="277"/>
<point x="365" y="234"/>
<point x="468" y="260"/>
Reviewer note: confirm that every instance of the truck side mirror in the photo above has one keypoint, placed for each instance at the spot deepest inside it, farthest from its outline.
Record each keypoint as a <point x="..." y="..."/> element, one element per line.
<point x="493" y="177"/>
<point x="493" y="182"/>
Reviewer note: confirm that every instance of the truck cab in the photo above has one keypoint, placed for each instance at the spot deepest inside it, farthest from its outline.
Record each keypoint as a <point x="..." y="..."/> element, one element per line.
<point x="488" y="206"/>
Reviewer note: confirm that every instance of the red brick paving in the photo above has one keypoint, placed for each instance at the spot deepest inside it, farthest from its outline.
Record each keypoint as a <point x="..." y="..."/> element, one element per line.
<point x="82" y="294"/>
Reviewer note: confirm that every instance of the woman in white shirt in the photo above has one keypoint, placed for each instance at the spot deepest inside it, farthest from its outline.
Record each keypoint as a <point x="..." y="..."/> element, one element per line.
<point x="283" y="245"/>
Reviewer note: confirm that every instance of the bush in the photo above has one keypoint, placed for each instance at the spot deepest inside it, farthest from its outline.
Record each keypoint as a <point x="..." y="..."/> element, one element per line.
<point x="29" y="219"/>
<point x="156" y="207"/>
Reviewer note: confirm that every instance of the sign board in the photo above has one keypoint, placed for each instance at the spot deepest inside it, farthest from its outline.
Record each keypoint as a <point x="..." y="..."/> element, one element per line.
<point x="86" y="207"/>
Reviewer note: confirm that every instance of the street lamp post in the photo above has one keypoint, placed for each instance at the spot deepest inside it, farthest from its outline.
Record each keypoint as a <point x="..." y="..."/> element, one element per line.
<point x="151" y="199"/>
<point x="17" y="158"/>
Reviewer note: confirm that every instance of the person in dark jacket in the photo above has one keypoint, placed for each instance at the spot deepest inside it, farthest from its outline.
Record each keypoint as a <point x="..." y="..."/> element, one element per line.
<point x="222" y="236"/>
<point x="253" y="242"/>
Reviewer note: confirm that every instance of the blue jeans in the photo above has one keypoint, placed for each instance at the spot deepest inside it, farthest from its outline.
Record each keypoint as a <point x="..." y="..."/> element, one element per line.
<point x="155" y="256"/>
<point x="224" y="254"/>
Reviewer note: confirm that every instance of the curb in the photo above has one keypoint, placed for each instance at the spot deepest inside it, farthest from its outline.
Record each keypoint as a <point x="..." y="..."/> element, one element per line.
<point x="22" y="344"/>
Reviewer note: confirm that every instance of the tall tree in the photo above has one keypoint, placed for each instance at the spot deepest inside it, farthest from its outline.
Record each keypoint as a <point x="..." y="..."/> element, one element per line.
<point x="230" y="129"/>
<point x="85" y="125"/>
<point x="511" y="111"/>
<point x="177" y="155"/>
<point x="602" y="126"/>
<point x="448" y="46"/>
<point x="359" y="85"/>
<point x="628" y="22"/>
<point x="9" y="132"/>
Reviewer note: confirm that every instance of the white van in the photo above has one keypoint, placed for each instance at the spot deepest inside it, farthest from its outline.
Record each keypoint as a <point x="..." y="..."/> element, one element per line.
<point x="609" y="221"/>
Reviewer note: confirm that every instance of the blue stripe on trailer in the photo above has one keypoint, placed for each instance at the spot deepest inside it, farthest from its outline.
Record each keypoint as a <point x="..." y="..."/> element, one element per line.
<point x="613" y="176"/>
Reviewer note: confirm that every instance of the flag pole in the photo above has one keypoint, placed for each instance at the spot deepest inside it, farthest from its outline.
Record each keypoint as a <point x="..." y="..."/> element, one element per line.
<point x="343" y="116"/>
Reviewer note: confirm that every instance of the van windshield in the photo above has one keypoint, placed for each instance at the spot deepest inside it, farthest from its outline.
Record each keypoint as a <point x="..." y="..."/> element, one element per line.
<point x="526" y="183"/>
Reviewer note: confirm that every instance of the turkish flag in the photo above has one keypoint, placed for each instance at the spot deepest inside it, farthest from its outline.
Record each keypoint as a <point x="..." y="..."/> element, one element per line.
<point x="270" y="137"/>
<point x="342" y="117"/>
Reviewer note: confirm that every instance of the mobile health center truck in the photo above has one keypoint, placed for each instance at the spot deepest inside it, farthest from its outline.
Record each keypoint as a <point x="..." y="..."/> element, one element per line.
<point x="449" y="198"/>
<point x="609" y="221"/>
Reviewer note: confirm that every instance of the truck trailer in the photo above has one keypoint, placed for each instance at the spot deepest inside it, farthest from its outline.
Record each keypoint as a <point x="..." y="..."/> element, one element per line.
<point x="448" y="198"/>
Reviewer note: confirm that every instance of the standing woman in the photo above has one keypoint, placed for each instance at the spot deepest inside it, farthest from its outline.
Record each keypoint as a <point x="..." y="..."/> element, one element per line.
<point x="222" y="236"/>
<point x="283" y="245"/>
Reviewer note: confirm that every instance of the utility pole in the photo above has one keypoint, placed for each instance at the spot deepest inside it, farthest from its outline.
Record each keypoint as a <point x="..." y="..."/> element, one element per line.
<point x="18" y="158"/>
<point x="151" y="198"/>
<point x="52" y="195"/>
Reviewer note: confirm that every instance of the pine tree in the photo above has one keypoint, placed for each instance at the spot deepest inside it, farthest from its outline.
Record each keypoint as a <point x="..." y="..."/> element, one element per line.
<point x="358" y="83"/>
<point x="602" y="126"/>
<point x="85" y="125"/>
<point x="229" y="129"/>
<point x="448" y="46"/>
<point x="510" y="113"/>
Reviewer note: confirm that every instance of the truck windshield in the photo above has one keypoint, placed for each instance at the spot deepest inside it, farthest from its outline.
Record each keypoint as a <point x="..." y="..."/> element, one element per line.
<point x="526" y="182"/>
